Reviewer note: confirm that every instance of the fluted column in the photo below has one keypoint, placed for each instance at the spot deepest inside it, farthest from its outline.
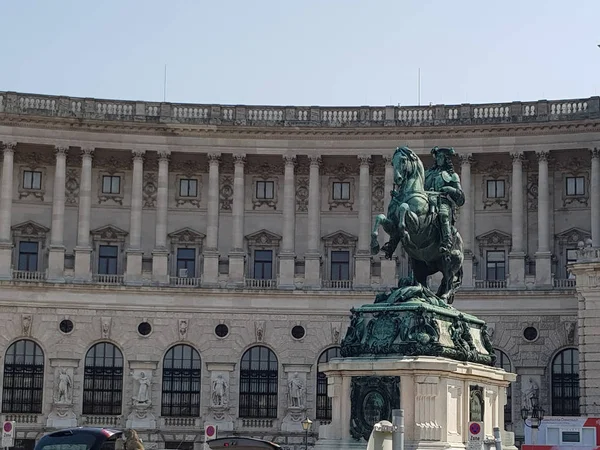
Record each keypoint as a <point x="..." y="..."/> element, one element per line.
<point x="516" y="257"/>
<point x="287" y="256"/>
<point x="236" y="255"/>
<point x="543" y="267"/>
<point x="56" y="254"/>
<point x="312" y="268"/>
<point x="210" y="275"/>
<point x="362" y="260"/>
<point x="133" y="274"/>
<point x="595" y="196"/>
<point x="466" y="218"/>
<point x="6" y="210"/>
<point x="388" y="266"/>
<point x="160" y="254"/>
<point x="83" y="250"/>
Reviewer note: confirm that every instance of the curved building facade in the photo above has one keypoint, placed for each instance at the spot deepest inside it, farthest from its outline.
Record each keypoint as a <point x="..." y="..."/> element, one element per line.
<point x="167" y="266"/>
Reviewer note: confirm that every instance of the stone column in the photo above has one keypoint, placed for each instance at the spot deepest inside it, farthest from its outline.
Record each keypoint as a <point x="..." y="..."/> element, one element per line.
<point x="362" y="260"/>
<point x="160" y="254"/>
<point x="6" y="197"/>
<point x="312" y="259"/>
<point x="388" y="266"/>
<point x="56" y="255"/>
<point x="83" y="250"/>
<point x="466" y="219"/>
<point x="543" y="268"/>
<point x="287" y="256"/>
<point x="210" y="275"/>
<point x="133" y="273"/>
<point x="237" y="254"/>
<point x="516" y="257"/>
<point x="595" y="196"/>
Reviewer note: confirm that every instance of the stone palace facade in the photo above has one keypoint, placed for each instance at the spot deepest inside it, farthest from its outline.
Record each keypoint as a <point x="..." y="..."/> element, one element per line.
<point x="165" y="266"/>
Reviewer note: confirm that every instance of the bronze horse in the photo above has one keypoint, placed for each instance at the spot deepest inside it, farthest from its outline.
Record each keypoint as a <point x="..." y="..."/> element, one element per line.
<point x="412" y="220"/>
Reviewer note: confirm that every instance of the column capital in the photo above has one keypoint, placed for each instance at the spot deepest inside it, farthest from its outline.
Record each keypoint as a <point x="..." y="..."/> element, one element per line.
<point x="213" y="158"/>
<point x="239" y="159"/>
<point x="87" y="152"/>
<point x="289" y="160"/>
<point x="314" y="160"/>
<point x="466" y="159"/>
<point x="138" y="155"/>
<point x="8" y="147"/>
<point x="517" y="157"/>
<point x="595" y="152"/>
<point x="387" y="159"/>
<point x="61" y="150"/>
<point x="164" y="155"/>
<point x="542" y="155"/>
<point x="364" y="160"/>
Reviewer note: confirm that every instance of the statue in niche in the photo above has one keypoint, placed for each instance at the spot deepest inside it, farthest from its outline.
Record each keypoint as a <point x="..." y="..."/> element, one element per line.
<point x="143" y="395"/>
<point x="219" y="391"/>
<point x="26" y="323"/>
<point x="531" y="394"/>
<point x="476" y="405"/>
<point x="296" y="391"/>
<point x="65" y="386"/>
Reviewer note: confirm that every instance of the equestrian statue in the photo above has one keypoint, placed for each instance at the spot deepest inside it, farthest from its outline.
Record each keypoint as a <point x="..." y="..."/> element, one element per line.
<point x="421" y="217"/>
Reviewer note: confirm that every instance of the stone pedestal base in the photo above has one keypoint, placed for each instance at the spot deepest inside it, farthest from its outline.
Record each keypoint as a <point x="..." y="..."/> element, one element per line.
<point x="439" y="397"/>
<point x="133" y="271"/>
<point x="287" y="269"/>
<point x="141" y="418"/>
<point x="83" y="264"/>
<point x="6" y="260"/>
<point x="61" y="416"/>
<point x="388" y="273"/>
<point x="160" y="266"/>
<point x="210" y="274"/>
<point x="543" y="269"/>
<point x="312" y="271"/>
<point x="362" y="271"/>
<point x="236" y="269"/>
<point x="516" y="270"/>
<point x="56" y="264"/>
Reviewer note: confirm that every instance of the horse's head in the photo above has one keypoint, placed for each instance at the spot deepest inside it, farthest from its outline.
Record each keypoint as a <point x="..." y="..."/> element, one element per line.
<point x="407" y="166"/>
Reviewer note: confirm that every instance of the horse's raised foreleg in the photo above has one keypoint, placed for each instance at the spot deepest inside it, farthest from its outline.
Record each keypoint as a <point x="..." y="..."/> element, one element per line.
<point x="380" y="219"/>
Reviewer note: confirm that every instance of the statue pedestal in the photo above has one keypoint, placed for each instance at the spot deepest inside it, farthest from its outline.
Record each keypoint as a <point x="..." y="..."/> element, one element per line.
<point x="61" y="416"/>
<point x="141" y="417"/>
<point x="439" y="397"/>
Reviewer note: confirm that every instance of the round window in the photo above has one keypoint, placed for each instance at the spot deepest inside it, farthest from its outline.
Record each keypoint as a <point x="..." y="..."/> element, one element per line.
<point x="66" y="326"/>
<point x="530" y="333"/>
<point x="221" y="330"/>
<point x="298" y="332"/>
<point x="144" y="328"/>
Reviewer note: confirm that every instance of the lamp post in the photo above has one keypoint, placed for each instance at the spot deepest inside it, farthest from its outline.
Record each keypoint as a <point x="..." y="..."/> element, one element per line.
<point x="536" y="414"/>
<point x="306" y="424"/>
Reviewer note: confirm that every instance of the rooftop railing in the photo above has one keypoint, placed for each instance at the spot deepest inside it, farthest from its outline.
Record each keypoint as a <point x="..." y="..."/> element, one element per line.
<point x="13" y="103"/>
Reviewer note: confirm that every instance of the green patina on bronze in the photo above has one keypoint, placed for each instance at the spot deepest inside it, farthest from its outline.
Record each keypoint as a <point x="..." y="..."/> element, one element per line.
<point x="372" y="399"/>
<point x="411" y="320"/>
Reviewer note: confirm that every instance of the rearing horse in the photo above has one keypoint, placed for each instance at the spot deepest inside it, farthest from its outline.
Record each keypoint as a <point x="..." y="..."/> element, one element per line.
<point x="412" y="220"/>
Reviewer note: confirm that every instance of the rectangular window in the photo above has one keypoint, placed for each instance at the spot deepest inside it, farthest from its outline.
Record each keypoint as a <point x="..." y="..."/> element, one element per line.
<point x="28" y="256"/>
<point x="188" y="187"/>
<point x="186" y="262"/>
<point x="571" y="258"/>
<point x="340" y="265"/>
<point x="32" y="180"/>
<point x="265" y="190"/>
<point x="111" y="184"/>
<point x="495" y="265"/>
<point x="575" y="185"/>
<point x="107" y="259"/>
<point x="341" y="191"/>
<point x="495" y="189"/>
<point x="263" y="264"/>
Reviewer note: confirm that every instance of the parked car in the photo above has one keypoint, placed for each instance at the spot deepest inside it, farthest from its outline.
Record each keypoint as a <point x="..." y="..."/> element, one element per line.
<point x="81" y="438"/>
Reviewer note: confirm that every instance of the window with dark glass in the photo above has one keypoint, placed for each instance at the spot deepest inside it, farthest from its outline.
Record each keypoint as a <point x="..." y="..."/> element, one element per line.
<point x="571" y="258"/>
<point x="111" y="184"/>
<point x="258" y="384"/>
<point x="340" y="265"/>
<point x="32" y="180"/>
<point x="263" y="264"/>
<point x="188" y="187"/>
<point x="341" y="190"/>
<point x="23" y="382"/>
<point x="503" y="362"/>
<point x="575" y="185"/>
<point x="565" y="383"/>
<point x="265" y="190"/>
<point x="28" y="256"/>
<point x="495" y="189"/>
<point x="186" y="262"/>
<point x="181" y="382"/>
<point x="103" y="380"/>
<point x="323" y="401"/>
<point x="495" y="265"/>
<point x="108" y="256"/>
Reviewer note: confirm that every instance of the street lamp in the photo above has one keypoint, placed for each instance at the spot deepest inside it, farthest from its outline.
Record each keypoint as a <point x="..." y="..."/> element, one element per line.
<point x="536" y="414"/>
<point x="306" y="424"/>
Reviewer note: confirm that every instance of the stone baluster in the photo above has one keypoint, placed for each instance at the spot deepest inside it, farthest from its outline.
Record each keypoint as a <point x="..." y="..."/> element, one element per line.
<point x="133" y="274"/>
<point x="6" y="210"/>
<point x="388" y="266"/>
<point x="516" y="258"/>
<point x="287" y="256"/>
<point x="362" y="260"/>
<point x="210" y="276"/>
<point x="237" y="254"/>
<point x="83" y="250"/>
<point x="543" y="267"/>
<point x="56" y="254"/>
<point x="466" y="218"/>
<point x="595" y="196"/>
<point x="160" y="253"/>
<point x="312" y="258"/>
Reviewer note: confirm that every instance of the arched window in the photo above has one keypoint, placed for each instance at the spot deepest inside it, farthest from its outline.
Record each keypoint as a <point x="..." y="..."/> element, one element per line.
<point x="258" y="383"/>
<point x="323" y="401"/>
<point x="181" y="382"/>
<point x="503" y="362"/>
<point x="565" y="383"/>
<point x="103" y="380"/>
<point x="23" y="384"/>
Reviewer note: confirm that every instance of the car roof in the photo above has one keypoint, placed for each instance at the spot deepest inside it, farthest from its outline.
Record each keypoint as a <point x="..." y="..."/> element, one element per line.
<point x="240" y="442"/>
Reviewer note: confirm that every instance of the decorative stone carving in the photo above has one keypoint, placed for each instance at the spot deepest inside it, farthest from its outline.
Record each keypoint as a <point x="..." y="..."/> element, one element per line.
<point x="33" y="160"/>
<point x="116" y="197"/>
<point x="296" y="391"/>
<point x="226" y="192"/>
<point x="266" y="169"/>
<point x="141" y="415"/>
<point x="26" y="322"/>
<point x="378" y="193"/>
<point x="530" y="392"/>
<point x="263" y="238"/>
<point x="575" y="166"/>
<point x="142" y="396"/>
<point x="476" y="404"/>
<point x="532" y="191"/>
<point x="570" y="328"/>
<point x="494" y="239"/>
<point x="336" y="332"/>
<point x="343" y="176"/>
<point x="109" y="233"/>
<point x="183" y="328"/>
<point x="36" y="192"/>
<point x="150" y="189"/>
<point x="113" y="163"/>
<point x="63" y="393"/>
<point x="372" y="400"/>
<point x="219" y="405"/>
<point x="30" y="231"/>
<point x="496" y="171"/>
<point x="259" y="328"/>
<point x="72" y="187"/>
<point x="187" y="236"/>
<point x="194" y="200"/>
<point x="302" y="183"/>
<point x="106" y="323"/>
<point x="220" y="391"/>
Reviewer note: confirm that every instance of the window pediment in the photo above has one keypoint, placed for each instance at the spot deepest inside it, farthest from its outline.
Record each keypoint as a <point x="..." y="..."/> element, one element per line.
<point x="340" y="238"/>
<point x="263" y="238"/>
<point x="30" y="230"/>
<point x="187" y="236"/>
<point x="109" y="233"/>
<point x="572" y="236"/>
<point x="494" y="238"/>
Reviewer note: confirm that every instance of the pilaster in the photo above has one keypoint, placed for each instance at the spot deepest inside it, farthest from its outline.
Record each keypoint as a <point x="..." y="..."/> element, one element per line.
<point x="312" y="258"/>
<point x="6" y="197"/>
<point x="83" y="250"/>
<point x="516" y="257"/>
<point x="160" y="254"/>
<point x="287" y="256"/>
<point x="466" y="219"/>
<point x="210" y="275"/>
<point x="362" y="274"/>
<point x="133" y="271"/>
<point x="543" y="266"/>
<point x="237" y="253"/>
<point x="56" y="254"/>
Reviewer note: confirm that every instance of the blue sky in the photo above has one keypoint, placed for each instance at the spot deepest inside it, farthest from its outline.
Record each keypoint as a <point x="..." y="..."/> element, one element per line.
<point x="303" y="52"/>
